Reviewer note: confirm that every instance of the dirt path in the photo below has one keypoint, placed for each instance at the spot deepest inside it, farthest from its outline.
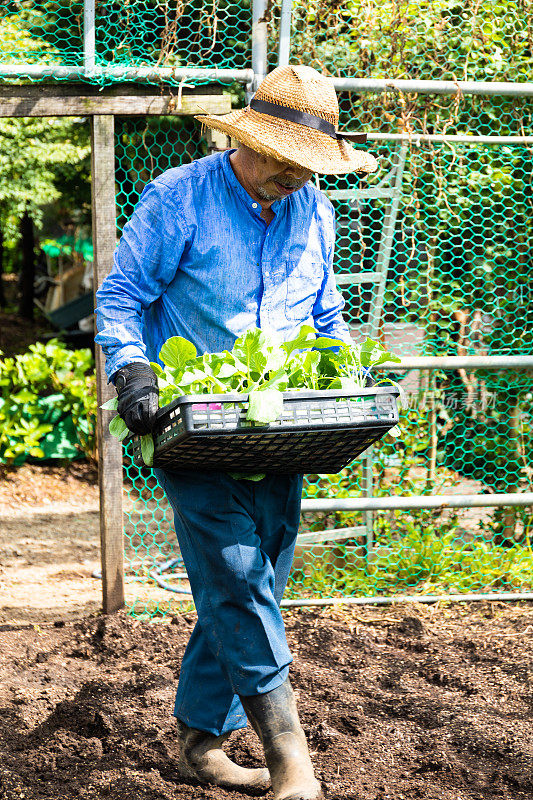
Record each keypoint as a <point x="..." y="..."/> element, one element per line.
<point x="50" y="546"/>
<point x="49" y="543"/>
<point x="397" y="704"/>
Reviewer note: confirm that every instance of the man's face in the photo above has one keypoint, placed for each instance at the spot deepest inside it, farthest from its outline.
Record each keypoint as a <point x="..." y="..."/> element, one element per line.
<point x="272" y="179"/>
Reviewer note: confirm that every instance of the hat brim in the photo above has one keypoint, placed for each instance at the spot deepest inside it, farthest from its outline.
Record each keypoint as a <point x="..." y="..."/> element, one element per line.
<point x="288" y="141"/>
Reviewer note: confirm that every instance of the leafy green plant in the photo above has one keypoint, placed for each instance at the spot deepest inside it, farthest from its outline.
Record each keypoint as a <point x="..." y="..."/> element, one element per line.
<point x="258" y="362"/>
<point x="40" y="390"/>
<point x="418" y="552"/>
<point x="262" y="368"/>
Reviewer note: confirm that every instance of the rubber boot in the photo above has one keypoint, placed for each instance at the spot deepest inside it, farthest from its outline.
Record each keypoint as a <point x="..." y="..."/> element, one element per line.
<point x="201" y="757"/>
<point x="275" y="719"/>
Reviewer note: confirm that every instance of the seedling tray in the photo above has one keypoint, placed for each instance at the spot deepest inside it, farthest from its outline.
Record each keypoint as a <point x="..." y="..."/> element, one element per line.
<point x="318" y="431"/>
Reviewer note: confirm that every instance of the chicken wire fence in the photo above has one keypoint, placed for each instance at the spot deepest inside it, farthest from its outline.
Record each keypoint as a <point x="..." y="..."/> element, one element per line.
<point x="457" y="281"/>
<point x="433" y="257"/>
<point x="99" y="40"/>
<point x="102" y="41"/>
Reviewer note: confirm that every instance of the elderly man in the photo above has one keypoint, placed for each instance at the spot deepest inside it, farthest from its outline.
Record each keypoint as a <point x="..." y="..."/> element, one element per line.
<point x="232" y="241"/>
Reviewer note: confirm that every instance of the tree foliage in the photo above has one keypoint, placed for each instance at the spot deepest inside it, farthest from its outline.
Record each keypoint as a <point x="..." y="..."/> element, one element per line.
<point x="416" y="39"/>
<point x="34" y="155"/>
<point x="42" y="160"/>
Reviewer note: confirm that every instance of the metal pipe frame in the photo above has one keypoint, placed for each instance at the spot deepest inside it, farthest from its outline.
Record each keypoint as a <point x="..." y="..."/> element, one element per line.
<point x="459" y="362"/>
<point x="462" y="138"/>
<point x="518" y="499"/>
<point x="377" y="86"/>
<point x="89" y="37"/>
<point x="391" y="185"/>
<point x="251" y="76"/>
<point x="259" y="45"/>
<point x="387" y="236"/>
<point x="394" y="599"/>
<point x="127" y="73"/>
<point x="284" y="36"/>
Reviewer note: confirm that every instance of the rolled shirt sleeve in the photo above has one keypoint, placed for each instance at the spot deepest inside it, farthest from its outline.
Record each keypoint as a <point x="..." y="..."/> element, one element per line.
<point x="145" y="262"/>
<point x="327" y="311"/>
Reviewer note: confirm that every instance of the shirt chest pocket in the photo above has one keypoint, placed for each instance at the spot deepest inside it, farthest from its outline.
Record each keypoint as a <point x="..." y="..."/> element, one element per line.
<point x="304" y="281"/>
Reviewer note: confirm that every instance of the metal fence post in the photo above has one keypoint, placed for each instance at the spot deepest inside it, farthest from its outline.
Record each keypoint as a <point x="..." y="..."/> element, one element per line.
<point x="386" y="240"/>
<point x="259" y="45"/>
<point x="109" y="448"/>
<point x="89" y="37"/>
<point x="376" y="313"/>
<point x="284" y="38"/>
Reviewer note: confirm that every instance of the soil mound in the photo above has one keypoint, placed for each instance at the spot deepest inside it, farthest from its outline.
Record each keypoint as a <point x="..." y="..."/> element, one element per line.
<point x="396" y="703"/>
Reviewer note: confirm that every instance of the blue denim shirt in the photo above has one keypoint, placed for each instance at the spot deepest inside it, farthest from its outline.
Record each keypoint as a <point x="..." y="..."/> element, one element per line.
<point x="197" y="260"/>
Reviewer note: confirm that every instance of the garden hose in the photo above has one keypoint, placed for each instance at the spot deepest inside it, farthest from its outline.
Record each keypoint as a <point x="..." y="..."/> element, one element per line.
<point x="155" y="574"/>
<point x="163" y="567"/>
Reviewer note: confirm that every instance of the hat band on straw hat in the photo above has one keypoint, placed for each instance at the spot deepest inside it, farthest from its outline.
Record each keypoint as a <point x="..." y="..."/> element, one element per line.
<point x="303" y="118"/>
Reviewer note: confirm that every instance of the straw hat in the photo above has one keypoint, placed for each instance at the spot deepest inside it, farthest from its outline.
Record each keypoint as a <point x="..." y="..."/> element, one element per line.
<point x="293" y="117"/>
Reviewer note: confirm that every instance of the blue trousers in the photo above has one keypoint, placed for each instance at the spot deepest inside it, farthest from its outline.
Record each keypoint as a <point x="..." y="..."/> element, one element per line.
<point x="237" y="541"/>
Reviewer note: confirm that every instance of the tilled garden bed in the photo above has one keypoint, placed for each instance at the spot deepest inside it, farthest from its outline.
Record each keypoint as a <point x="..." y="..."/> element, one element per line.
<point x="397" y="703"/>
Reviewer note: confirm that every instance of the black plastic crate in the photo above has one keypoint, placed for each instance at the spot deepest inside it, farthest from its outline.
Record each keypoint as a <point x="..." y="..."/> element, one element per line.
<point x="318" y="431"/>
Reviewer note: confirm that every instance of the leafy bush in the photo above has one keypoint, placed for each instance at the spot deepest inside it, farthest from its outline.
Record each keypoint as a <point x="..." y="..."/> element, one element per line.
<point x="42" y="391"/>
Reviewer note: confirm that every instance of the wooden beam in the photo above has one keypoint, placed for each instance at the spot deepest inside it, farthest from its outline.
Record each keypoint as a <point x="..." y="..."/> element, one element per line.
<point x="17" y="101"/>
<point x="109" y="448"/>
<point x="119" y="89"/>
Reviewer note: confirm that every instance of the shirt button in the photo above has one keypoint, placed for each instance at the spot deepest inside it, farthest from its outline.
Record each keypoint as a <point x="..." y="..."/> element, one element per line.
<point x="254" y="205"/>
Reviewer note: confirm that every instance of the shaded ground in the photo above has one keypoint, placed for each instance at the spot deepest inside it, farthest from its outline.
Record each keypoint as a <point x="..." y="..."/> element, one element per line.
<point x="50" y="545"/>
<point x="16" y="334"/>
<point x="31" y="486"/>
<point x="397" y="703"/>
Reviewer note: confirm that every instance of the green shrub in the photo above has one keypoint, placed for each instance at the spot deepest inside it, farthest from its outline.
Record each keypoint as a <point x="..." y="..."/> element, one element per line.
<point x="47" y="404"/>
<point x="414" y="553"/>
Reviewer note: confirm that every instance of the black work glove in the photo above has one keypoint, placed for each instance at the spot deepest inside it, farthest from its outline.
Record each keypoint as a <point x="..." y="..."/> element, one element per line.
<point x="138" y="396"/>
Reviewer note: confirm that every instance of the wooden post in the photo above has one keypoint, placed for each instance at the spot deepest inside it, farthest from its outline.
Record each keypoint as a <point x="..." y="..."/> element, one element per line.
<point x="109" y="448"/>
<point x="216" y="141"/>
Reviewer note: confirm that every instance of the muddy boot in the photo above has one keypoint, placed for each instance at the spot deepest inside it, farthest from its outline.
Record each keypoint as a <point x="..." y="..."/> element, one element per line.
<point x="201" y="757"/>
<point x="275" y="720"/>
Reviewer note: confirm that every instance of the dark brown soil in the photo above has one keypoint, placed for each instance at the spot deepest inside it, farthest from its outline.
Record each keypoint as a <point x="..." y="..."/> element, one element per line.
<point x="397" y="703"/>
<point x="16" y="334"/>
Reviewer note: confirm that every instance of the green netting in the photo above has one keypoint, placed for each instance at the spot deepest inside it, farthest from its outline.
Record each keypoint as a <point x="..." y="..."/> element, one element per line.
<point x="460" y="251"/>
<point x="139" y="33"/>
<point x="433" y="39"/>
<point x="422" y="40"/>
<point x="457" y="267"/>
